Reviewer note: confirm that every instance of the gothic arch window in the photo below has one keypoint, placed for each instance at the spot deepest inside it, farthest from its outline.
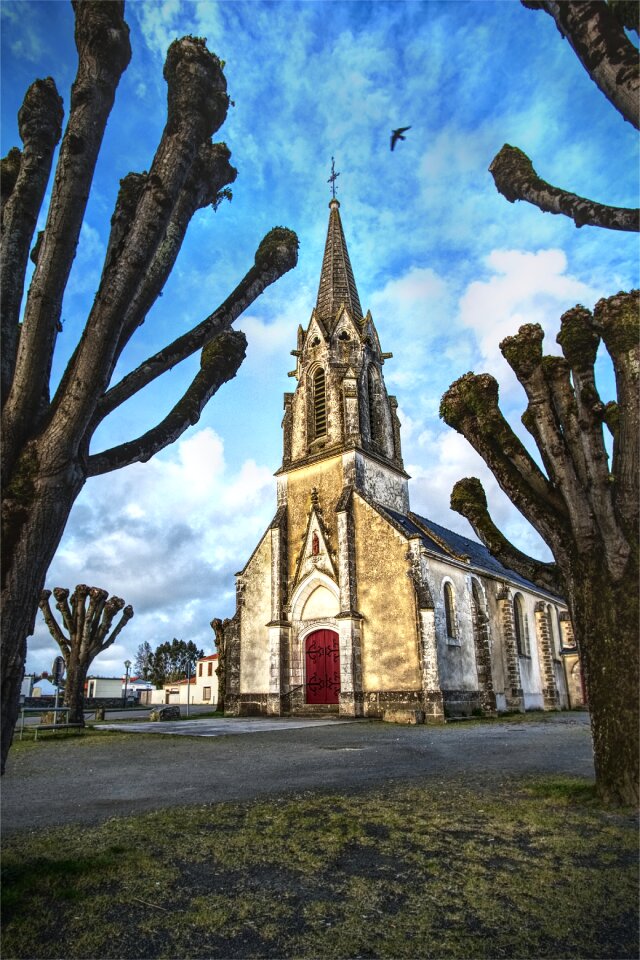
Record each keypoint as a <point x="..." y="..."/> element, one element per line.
<point x="449" y="611"/>
<point x="520" y="626"/>
<point x="319" y="404"/>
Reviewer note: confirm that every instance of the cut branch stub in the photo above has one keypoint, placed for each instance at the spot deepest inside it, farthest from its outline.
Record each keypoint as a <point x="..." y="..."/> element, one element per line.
<point x="278" y="249"/>
<point x="195" y="82"/>
<point x="100" y="29"/>
<point x="469" y="499"/>
<point x="578" y="338"/>
<point x="41" y="114"/>
<point x="617" y="319"/>
<point x="515" y="178"/>
<point x="523" y="350"/>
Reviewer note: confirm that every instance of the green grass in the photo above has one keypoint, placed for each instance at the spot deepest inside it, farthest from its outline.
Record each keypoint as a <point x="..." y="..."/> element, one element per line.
<point x="533" y="868"/>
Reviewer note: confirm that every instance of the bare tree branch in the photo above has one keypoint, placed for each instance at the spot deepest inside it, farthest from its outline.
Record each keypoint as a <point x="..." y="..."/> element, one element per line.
<point x="220" y="361"/>
<point x="603" y="48"/>
<point x="617" y="320"/>
<point x="516" y="179"/>
<point x="277" y="253"/>
<point x="102" y="41"/>
<point x="40" y="127"/>
<point x="468" y="499"/>
<point x="197" y="105"/>
<point x="470" y="406"/>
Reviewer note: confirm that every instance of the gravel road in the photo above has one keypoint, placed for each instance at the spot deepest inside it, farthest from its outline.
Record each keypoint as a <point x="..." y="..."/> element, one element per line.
<point x="87" y="780"/>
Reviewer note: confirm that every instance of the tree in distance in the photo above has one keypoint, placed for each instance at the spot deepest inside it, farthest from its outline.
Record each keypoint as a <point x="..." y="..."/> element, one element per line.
<point x="87" y="618"/>
<point x="168" y="663"/>
<point x="585" y="508"/>
<point x="46" y="454"/>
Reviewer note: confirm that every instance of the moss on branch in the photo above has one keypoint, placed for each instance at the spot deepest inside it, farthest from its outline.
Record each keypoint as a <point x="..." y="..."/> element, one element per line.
<point x="196" y="85"/>
<point x="578" y="338"/>
<point x="523" y="351"/>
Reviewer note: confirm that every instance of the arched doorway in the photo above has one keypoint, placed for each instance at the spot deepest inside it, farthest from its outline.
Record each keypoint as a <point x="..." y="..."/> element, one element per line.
<point x="322" y="667"/>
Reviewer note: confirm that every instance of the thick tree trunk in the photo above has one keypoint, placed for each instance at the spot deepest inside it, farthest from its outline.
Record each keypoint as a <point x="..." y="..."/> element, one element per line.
<point x="605" y="617"/>
<point x="35" y="514"/>
<point x="74" y="689"/>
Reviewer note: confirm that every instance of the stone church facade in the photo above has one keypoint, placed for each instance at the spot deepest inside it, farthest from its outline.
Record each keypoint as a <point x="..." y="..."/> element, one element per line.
<point x="353" y="604"/>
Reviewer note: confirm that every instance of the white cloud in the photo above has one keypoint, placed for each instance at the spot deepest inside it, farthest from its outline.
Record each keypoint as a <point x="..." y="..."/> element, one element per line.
<point x="524" y="287"/>
<point x="167" y="536"/>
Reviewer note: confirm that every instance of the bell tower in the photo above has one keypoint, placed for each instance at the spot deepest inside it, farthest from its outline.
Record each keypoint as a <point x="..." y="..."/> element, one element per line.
<point x="341" y="405"/>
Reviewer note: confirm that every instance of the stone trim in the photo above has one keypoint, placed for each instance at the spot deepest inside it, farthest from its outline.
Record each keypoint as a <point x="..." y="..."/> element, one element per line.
<point x="480" y="626"/>
<point x="513" y="693"/>
<point x="550" y="696"/>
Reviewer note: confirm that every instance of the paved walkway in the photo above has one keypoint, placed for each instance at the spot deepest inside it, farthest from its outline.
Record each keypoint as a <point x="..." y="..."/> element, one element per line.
<point x="220" y="727"/>
<point x="68" y="780"/>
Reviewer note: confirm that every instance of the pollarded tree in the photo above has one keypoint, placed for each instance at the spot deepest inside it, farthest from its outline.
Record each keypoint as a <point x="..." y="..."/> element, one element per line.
<point x="595" y="31"/>
<point x="585" y="509"/>
<point x="46" y="455"/>
<point x="88" y="629"/>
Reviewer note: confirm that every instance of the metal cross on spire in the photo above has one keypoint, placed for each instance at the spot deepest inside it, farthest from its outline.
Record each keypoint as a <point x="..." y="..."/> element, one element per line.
<point x="332" y="179"/>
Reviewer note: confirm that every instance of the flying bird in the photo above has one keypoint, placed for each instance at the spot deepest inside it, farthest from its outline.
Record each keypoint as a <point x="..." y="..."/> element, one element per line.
<point x="397" y="135"/>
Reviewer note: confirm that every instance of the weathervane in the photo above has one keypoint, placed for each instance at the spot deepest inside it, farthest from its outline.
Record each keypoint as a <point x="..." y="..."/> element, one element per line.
<point x="332" y="179"/>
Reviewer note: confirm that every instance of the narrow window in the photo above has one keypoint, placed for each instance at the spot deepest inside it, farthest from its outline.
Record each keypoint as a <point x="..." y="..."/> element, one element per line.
<point x="199" y="669"/>
<point x="206" y="693"/>
<point x="448" y="610"/>
<point x="319" y="404"/>
<point x="520" y="626"/>
<point x="210" y="668"/>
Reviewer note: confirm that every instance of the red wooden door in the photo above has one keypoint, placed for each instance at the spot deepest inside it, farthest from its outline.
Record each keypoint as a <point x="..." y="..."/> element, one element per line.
<point x="322" y="652"/>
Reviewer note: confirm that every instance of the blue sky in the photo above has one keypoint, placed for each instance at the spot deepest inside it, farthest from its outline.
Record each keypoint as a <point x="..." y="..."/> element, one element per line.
<point x="445" y="264"/>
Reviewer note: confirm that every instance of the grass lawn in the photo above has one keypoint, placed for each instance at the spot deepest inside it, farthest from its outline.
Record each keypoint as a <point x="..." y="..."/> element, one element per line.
<point x="526" y="869"/>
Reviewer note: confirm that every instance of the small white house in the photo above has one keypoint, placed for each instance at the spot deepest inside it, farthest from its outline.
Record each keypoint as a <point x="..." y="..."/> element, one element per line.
<point x="202" y="688"/>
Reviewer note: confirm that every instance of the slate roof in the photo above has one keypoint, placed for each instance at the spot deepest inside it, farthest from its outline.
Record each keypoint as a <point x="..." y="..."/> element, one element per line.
<point x="337" y="283"/>
<point x="459" y="548"/>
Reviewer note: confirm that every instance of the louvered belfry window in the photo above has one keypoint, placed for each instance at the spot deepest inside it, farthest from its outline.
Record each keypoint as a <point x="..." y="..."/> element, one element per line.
<point x="319" y="404"/>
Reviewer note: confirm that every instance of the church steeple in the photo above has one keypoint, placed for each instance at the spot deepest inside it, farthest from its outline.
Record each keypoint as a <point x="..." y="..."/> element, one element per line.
<point x="337" y="283"/>
<point x="341" y="407"/>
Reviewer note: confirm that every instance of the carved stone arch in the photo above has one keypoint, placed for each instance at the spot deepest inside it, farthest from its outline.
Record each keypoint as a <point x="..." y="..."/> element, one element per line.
<point x="482" y="643"/>
<point x="306" y="588"/>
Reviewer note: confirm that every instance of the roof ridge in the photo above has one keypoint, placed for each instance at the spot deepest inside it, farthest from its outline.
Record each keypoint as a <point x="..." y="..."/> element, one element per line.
<point x="423" y="524"/>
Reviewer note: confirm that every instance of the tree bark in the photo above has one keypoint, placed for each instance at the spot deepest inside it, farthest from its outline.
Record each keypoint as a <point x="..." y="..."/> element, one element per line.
<point x="603" y="48"/>
<point x="594" y="540"/>
<point x="605" y="616"/>
<point x="516" y="179"/>
<point x="46" y="445"/>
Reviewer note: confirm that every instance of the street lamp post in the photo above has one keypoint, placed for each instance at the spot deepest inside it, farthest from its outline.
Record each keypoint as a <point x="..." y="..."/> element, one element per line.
<point x="127" y="667"/>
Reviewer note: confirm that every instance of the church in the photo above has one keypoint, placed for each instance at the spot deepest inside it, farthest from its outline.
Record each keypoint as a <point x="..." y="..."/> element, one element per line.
<point x="352" y="604"/>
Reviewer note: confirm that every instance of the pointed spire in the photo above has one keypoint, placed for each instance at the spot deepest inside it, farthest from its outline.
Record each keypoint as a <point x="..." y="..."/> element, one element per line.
<point x="337" y="284"/>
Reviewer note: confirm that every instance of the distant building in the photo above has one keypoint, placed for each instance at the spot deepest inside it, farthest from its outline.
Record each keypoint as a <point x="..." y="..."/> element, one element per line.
<point x="201" y="689"/>
<point x="114" y="687"/>
<point x="353" y="604"/>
